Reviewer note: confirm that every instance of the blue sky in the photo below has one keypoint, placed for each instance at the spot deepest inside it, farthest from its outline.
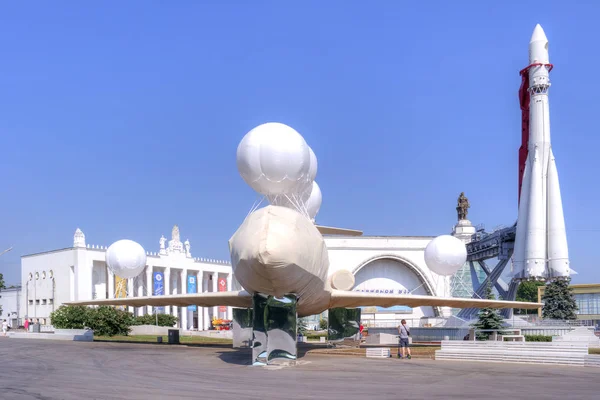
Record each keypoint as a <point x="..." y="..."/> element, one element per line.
<point x="123" y="118"/>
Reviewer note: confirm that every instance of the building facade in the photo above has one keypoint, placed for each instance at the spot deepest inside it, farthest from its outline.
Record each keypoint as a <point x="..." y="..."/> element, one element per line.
<point x="379" y="264"/>
<point x="394" y="265"/>
<point x="52" y="278"/>
<point x="10" y="306"/>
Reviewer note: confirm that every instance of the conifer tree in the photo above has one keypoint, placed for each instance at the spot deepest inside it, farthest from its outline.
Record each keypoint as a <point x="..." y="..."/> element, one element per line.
<point x="559" y="302"/>
<point x="489" y="318"/>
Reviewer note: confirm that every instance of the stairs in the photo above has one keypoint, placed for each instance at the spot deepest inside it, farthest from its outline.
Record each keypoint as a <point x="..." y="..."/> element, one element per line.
<point x="559" y="353"/>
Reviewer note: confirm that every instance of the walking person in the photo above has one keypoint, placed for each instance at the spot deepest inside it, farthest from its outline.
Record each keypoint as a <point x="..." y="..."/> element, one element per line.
<point x="26" y="325"/>
<point x="4" y="327"/>
<point x="404" y="333"/>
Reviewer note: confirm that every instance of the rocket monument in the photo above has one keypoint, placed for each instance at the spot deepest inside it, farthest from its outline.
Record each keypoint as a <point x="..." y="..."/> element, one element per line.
<point x="541" y="250"/>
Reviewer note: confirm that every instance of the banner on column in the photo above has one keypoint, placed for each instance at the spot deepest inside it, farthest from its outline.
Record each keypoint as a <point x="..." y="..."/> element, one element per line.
<point x="191" y="288"/>
<point x="222" y="282"/>
<point x="120" y="287"/>
<point x="159" y="289"/>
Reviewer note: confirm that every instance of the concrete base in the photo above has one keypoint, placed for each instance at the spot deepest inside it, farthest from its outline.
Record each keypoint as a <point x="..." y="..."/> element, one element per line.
<point x="153" y="330"/>
<point x="382" y="338"/>
<point x="581" y="334"/>
<point x="77" y="335"/>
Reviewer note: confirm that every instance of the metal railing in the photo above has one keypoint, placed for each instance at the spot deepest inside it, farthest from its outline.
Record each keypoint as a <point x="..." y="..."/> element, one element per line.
<point x="390" y="323"/>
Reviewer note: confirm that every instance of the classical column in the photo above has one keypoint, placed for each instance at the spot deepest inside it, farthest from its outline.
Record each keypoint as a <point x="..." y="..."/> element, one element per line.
<point x="215" y="288"/>
<point x="111" y="284"/>
<point x="174" y="290"/>
<point x="229" y="311"/>
<point x="130" y="292"/>
<point x="200" y="310"/>
<point x="140" y="293"/>
<point x="205" y="309"/>
<point x="184" y="310"/>
<point x="149" y="287"/>
<point x="167" y="287"/>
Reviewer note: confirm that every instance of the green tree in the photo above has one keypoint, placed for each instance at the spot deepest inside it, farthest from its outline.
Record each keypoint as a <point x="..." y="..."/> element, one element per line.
<point x="104" y="320"/>
<point x="323" y="324"/>
<point x="559" y="302"/>
<point x="70" y="317"/>
<point x="109" y="321"/>
<point x="1" y="287"/>
<point x="488" y="318"/>
<point x="302" y="326"/>
<point x="528" y="292"/>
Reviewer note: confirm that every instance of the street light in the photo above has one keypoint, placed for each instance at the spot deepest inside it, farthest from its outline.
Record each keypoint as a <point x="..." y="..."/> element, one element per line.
<point x="7" y="250"/>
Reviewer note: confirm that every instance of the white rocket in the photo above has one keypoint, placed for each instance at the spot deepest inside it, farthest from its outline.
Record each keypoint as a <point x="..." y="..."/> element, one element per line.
<point x="541" y="249"/>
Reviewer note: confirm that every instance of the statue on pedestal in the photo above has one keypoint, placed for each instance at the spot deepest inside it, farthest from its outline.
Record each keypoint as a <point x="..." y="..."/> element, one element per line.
<point x="187" y="248"/>
<point x="462" y="207"/>
<point x="175" y="234"/>
<point x="163" y="240"/>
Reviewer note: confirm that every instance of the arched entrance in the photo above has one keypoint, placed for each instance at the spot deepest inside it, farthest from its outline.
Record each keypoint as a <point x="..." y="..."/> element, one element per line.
<point x="391" y="274"/>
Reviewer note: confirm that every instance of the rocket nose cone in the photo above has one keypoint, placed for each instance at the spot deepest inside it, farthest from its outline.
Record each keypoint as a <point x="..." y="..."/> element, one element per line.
<point x="538" y="46"/>
<point x="538" y="35"/>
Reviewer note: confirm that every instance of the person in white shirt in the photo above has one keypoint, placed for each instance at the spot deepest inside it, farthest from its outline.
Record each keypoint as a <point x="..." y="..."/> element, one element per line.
<point x="4" y="327"/>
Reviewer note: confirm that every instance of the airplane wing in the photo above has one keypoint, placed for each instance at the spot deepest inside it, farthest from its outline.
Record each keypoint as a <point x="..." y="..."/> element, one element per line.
<point x="207" y="299"/>
<point x="341" y="298"/>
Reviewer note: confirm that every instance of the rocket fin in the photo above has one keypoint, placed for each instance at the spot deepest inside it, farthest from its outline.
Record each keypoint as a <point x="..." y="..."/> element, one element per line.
<point x="535" y="241"/>
<point x="558" y="251"/>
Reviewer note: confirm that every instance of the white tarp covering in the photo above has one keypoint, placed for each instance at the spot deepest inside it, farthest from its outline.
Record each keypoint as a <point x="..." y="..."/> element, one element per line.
<point x="278" y="251"/>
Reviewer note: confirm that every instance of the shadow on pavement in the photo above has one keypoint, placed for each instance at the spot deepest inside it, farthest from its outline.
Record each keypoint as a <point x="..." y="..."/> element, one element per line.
<point x="244" y="356"/>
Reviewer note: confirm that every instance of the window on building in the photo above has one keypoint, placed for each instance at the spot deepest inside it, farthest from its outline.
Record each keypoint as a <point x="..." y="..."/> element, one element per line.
<point x="44" y="302"/>
<point x="50" y="301"/>
<point x="37" y="302"/>
<point x="30" y="302"/>
<point x="588" y="303"/>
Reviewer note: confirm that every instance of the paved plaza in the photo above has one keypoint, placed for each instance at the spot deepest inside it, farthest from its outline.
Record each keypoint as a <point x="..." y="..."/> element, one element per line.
<point x="49" y="370"/>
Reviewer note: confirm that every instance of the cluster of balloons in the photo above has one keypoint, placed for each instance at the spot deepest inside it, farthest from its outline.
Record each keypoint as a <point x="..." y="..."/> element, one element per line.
<point x="445" y="254"/>
<point x="276" y="161"/>
<point x="126" y="258"/>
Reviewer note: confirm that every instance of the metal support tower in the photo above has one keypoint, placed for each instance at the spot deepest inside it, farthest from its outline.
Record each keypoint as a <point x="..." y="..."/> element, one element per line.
<point x="485" y="246"/>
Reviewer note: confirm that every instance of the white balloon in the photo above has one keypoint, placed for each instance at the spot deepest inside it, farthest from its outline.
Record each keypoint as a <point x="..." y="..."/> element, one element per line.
<point x="445" y="254"/>
<point x="313" y="205"/>
<point x="274" y="159"/>
<point x="312" y="171"/>
<point x="126" y="258"/>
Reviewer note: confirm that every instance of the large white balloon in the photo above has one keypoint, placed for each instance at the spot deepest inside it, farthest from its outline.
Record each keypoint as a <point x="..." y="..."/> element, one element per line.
<point x="274" y="159"/>
<point x="126" y="258"/>
<point x="314" y="165"/>
<point x="445" y="254"/>
<point x="313" y="204"/>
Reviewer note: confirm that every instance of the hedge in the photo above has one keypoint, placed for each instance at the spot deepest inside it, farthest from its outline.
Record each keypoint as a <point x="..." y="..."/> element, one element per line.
<point x="538" y="338"/>
<point x="104" y="320"/>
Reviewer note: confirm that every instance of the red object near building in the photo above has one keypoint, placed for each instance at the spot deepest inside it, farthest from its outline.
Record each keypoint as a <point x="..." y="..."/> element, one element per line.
<point x="222" y="287"/>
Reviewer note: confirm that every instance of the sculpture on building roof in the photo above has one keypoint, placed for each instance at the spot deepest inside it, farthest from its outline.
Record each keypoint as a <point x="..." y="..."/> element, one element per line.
<point x="187" y="248"/>
<point x="162" y="242"/>
<point x="175" y="234"/>
<point x="78" y="238"/>
<point x="462" y="207"/>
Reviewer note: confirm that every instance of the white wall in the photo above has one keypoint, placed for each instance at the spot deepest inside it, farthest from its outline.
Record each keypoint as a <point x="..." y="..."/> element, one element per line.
<point x="395" y="263"/>
<point x="38" y="273"/>
<point x="9" y="300"/>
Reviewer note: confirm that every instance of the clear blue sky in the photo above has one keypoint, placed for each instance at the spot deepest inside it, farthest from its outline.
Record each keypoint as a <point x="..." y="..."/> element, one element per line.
<point x="122" y="118"/>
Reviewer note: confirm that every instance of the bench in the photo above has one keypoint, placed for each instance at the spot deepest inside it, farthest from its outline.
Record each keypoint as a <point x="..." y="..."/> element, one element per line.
<point x="378" y="352"/>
